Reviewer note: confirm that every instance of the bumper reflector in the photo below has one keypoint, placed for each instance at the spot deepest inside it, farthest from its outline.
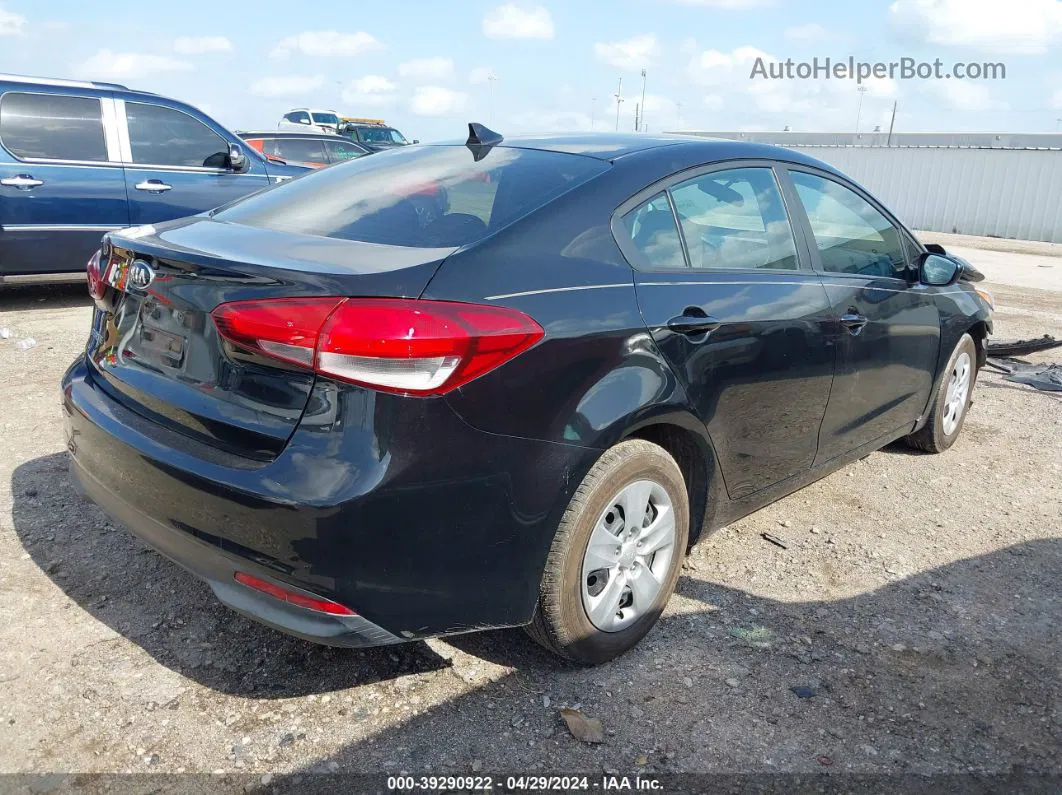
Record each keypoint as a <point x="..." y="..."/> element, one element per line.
<point x="292" y="597"/>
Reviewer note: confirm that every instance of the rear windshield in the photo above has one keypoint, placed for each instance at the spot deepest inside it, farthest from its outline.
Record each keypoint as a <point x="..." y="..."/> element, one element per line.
<point x="423" y="197"/>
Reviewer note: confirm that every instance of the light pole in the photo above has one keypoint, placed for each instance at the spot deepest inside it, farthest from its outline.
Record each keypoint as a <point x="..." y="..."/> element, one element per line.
<point x="619" y="98"/>
<point x="490" y="80"/>
<point x="862" y="90"/>
<point x="642" y="106"/>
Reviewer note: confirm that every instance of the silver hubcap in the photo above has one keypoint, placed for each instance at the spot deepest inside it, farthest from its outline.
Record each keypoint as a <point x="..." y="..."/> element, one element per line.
<point x="958" y="391"/>
<point x="628" y="556"/>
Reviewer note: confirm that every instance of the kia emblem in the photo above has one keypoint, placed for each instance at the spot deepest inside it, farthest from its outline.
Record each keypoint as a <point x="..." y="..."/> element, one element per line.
<point x="140" y="275"/>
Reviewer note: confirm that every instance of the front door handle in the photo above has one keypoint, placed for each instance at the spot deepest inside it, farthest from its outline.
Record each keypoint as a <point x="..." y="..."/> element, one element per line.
<point x="153" y="186"/>
<point x="22" y="182"/>
<point x="853" y="321"/>
<point x="693" y="322"/>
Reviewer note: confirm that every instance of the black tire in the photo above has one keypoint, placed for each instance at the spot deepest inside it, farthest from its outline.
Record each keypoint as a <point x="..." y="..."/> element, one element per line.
<point x="931" y="437"/>
<point x="561" y="623"/>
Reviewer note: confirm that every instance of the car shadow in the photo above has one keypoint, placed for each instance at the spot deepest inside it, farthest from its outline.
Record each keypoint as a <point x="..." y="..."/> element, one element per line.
<point x="950" y="670"/>
<point x="169" y="613"/>
<point x="50" y="296"/>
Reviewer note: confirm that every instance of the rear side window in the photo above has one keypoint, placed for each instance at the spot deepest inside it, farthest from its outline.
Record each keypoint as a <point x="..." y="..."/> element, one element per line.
<point x="166" y="137"/>
<point x="52" y="127"/>
<point x="735" y="219"/>
<point x="424" y="197"/>
<point x="652" y="229"/>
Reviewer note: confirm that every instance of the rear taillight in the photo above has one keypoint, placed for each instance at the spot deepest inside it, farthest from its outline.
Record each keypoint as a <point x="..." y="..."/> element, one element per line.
<point x="391" y="344"/>
<point x="94" y="271"/>
<point x="291" y="596"/>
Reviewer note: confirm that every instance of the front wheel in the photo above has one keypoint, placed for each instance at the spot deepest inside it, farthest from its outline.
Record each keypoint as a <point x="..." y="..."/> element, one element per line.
<point x="616" y="556"/>
<point x="952" y="398"/>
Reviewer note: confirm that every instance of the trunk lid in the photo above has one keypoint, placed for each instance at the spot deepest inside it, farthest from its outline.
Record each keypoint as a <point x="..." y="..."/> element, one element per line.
<point x="154" y="346"/>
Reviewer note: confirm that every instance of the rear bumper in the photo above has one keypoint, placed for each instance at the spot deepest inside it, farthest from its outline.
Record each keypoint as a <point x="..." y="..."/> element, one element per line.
<point x="393" y="507"/>
<point x="218" y="569"/>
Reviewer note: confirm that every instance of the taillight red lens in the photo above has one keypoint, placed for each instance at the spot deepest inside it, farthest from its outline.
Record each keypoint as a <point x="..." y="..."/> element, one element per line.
<point x="291" y="596"/>
<point x="94" y="272"/>
<point x="392" y="344"/>
<point x="284" y="328"/>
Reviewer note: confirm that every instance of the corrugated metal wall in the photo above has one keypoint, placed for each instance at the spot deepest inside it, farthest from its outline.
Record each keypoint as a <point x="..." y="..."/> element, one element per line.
<point x="1012" y="193"/>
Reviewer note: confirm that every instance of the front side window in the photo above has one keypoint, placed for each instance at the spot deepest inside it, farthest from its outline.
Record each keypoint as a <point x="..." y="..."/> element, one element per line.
<point x="435" y="196"/>
<point x="851" y="235"/>
<point x="300" y="151"/>
<point x="52" y="127"/>
<point x="735" y="219"/>
<point x="166" y="137"/>
<point x="339" y="151"/>
<point x="651" y="227"/>
<point x="325" y="118"/>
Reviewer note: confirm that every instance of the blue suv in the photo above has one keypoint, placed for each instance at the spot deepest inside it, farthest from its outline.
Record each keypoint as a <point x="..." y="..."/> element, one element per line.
<point x="79" y="159"/>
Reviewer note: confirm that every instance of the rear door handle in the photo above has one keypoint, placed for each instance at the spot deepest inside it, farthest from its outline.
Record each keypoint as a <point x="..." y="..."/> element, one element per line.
<point x="22" y="182"/>
<point x="853" y="321"/>
<point x="692" y="324"/>
<point x="153" y="186"/>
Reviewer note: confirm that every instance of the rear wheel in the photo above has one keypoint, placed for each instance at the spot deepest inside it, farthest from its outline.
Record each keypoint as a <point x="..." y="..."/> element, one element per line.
<point x="952" y="398"/>
<point x="616" y="556"/>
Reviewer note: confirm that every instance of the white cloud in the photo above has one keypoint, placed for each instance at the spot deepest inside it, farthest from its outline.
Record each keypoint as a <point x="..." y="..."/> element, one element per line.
<point x="963" y="95"/>
<point x="197" y="45"/>
<point x="437" y="101"/>
<point x="1019" y="26"/>
<point x="517" y="22"/>
<point x="436" y="68"/>
<point x="726" y="3"/>
<point x="108" y="65"/>
<point x="11" y="24"/>
<point x="713" y="102"/>
<point x="712" y="67"/>
<point x="326" y="43"/>
<point x="1056" y="100"/>
<point x="633" y="53"/>
<point x="480" y="75"/>
<point x="373" y="90"/>
<point x="809" y="32"/>
<point x="554" y="121"/>
<point x="287" y="85"/>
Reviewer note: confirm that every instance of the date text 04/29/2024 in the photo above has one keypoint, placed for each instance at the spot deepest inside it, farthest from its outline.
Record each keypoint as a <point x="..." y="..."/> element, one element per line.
<point x="531" y="783"/>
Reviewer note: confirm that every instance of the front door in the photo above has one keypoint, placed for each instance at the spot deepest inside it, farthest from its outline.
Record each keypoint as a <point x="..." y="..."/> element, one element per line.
<point x="732" y="304"/>
<point x="885" y="323"/>
<point x="60" y="190"/>
<point x="178" y="166"/>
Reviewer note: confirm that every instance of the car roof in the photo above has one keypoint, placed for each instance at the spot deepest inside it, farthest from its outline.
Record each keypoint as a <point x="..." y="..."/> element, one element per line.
<point x="312" y="110"/>
<point x="324" y="136"/>
<point x="693" y="149"/>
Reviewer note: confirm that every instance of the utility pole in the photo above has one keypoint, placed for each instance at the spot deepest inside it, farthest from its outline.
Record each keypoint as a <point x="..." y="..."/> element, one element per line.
<point x="619" y="98"/>
<point x="892" y="123"/>
<point x="1058" y="125"/>
<point x="643" y="103"/>
<point x="637" y="108"/>
<point x="490" y="79"/>
<point x="862" y="90"/>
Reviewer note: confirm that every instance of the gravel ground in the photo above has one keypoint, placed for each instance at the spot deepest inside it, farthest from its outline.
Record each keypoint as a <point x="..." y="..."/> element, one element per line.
<point x="916" y="608"/>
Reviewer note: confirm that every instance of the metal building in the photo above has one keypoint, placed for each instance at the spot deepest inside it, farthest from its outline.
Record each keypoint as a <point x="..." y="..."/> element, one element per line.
<point x="998" y="184"/>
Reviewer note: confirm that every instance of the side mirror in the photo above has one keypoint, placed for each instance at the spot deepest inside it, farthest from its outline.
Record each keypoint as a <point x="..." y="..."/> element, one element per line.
<point x="935" y="248"/>
<point x="416" y="140"/>
<point x="238" y="161"/>
<point x="938" y="271"/>
<point x="304" y="121"/>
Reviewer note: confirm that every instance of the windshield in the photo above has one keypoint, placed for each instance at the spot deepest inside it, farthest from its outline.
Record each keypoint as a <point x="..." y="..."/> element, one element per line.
<point x="325" y="118"/>
<point x="422" y="197"/>
<point x="380" y="135"/>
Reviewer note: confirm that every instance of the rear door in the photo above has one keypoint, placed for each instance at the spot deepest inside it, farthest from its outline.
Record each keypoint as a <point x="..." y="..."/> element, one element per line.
<point x="726" y="290"/>
<point x="886" y="325"/>
<point x="175" y="165"/>
<point x="61" y="182"/>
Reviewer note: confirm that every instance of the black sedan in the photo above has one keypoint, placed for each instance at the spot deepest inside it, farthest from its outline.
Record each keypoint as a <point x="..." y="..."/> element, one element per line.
<point x="505" y="382"/>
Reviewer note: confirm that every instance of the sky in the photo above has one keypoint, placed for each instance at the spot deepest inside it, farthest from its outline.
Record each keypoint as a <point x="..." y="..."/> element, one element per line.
<point x="426" y="67"/>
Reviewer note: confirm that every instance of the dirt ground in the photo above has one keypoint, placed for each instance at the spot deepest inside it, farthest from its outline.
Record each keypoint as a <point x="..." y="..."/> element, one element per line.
<point x="918" y="600"/>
